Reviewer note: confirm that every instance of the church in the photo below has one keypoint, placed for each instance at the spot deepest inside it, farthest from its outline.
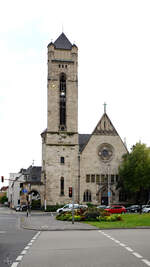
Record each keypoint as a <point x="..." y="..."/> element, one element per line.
<point x="85" y="165"/>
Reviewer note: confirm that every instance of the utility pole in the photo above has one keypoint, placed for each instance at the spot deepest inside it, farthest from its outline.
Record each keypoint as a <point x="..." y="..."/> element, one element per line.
<point x="72" y="205"/>
<point x="108" y="184"/>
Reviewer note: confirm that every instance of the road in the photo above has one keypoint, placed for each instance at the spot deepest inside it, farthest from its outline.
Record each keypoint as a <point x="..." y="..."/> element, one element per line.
<point x="97" y="248"/>
<point x="111" y="248"/>
<point x="12" y="238"/>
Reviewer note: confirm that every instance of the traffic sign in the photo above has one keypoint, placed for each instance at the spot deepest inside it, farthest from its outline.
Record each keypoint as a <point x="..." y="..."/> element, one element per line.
<point x="24" y="190"/>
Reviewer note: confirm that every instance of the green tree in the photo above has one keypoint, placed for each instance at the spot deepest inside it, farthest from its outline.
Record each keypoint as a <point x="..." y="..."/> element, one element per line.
<point x="3" y="199"/>
<point x="134" y="172"/>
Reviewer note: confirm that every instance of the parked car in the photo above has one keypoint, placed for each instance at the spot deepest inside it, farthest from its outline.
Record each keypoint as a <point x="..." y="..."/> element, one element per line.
<point x="133" y="208"/>
<point x="21" y="208"/>
<point x="116" y="209"/>
<point x="146" y="209"/>
<point x="102" y="207"/>
<point x="68" y="207"/>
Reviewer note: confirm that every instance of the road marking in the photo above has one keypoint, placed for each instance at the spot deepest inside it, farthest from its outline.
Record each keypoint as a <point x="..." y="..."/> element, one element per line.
<point x="23" y="252"/>
<point x="27" y="247"/>
<point x="127" y="248"/>
<point x="146" y="262"/>
<point x="122" y="245"/>
<point x="137" y="255"/>
<point x="19" y="258"/>
<point x="15" y="264"/>
<point x="2" y="232"/>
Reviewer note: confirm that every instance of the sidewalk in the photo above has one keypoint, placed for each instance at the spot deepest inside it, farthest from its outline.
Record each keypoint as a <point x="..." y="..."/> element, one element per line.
<point x="42" y="222"/>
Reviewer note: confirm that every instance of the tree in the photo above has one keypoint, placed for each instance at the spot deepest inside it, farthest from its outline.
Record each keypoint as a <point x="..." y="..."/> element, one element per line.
<point x="134" y="172"/>
<point x="3" y="199"/>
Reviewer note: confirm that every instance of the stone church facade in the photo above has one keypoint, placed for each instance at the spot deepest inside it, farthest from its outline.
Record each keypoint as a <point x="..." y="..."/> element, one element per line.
<point x="88" y="163"/>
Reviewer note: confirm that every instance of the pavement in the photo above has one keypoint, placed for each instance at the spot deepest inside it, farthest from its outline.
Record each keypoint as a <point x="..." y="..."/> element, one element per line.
<point x="47" y="222"/>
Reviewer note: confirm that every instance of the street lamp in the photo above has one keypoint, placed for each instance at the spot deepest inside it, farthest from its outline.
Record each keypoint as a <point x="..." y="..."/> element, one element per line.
<point x="108" y="186"/>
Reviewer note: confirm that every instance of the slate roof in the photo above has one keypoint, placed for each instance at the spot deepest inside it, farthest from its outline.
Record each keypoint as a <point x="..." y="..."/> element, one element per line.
<point x="62" y="42"/>
<point x="33" y="174"/>
<point x="83" y="139"/>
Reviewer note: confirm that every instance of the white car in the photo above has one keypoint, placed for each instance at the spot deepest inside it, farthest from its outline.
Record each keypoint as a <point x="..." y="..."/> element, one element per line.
<point x="146" y="209"/>
<point x="68" y="207"/>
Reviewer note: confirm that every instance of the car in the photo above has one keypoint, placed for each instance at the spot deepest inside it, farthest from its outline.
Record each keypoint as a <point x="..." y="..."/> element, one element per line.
<point x="133" y="208"/>
<point x="146" y="209"/>
<point x="67" y="207"/>
<point x="21" y="208"/>
<point x="116" y="209"/>
<point x="102" y="207"/>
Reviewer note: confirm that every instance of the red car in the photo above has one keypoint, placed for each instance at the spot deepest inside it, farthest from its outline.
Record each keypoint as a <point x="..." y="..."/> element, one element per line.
<point x="116" y="209"/>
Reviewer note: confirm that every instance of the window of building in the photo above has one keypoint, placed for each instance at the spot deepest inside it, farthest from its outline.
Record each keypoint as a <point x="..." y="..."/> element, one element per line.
<point x="117" y="178"/>
<point x="93" y="178"/>
<point x="21" y="185"/>
<point x="106" y="178"/>
<point x="102" y="178"/>
<point x="62" y="109"/>
<point x="97" y="178"/>
<point x="62" y="160"/>
<point x="66" y="66"/>
<point x="88" y="178"/>
<point x="122" y="196"/>
<point x="87" y="196"/>
<point x="112" y="178"/>
<point x="62" y="186"/>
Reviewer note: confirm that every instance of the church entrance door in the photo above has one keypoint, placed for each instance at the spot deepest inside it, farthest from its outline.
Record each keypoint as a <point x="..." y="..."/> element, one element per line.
<point x="104" y="201"/>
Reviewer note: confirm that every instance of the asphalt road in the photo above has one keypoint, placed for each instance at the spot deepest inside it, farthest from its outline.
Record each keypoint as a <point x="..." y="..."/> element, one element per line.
<point x="12" y="238"/>
<point x="111" y="248"/>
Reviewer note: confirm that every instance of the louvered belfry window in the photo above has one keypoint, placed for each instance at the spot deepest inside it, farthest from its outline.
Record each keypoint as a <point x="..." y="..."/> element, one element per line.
<point x="62" y="101"/>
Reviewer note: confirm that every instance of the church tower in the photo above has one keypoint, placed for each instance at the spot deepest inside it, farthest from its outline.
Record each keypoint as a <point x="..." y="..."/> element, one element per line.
<point x="60" y="139"/>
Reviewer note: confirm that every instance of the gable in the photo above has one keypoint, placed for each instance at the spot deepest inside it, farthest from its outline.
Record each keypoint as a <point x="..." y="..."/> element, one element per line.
<point x="105" y="127"/>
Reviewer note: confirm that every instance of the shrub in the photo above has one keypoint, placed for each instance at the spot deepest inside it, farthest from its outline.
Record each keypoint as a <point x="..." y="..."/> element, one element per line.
<point x="90" y="214"/>
<point x="110" y="218"/>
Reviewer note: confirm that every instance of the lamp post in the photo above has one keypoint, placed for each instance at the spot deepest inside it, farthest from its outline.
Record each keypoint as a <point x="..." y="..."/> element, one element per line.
<point x="108" y="185"/>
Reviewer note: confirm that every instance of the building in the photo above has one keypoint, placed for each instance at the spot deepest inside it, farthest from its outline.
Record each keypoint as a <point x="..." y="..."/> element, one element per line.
<point x="25" y="186"/>
<point x="88" y="163"/>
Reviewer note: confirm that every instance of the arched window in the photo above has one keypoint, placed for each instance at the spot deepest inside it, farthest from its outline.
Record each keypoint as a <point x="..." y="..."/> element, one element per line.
<point x="62" y="97"/>
<point x="62" y="186"/>
<point x="87" y="196"/>
<point x="122" y="196"/>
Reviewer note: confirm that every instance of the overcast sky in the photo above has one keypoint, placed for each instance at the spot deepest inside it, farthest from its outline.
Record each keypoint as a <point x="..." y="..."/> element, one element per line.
<point x="113" y="38"/>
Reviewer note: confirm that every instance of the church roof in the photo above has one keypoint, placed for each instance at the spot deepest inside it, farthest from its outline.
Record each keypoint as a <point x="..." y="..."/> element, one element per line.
<point x="83" y="139"/>
<point x="62" y="42"/>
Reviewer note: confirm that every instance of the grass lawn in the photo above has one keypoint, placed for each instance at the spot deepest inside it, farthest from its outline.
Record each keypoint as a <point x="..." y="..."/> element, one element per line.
<point x="128" y="221"/>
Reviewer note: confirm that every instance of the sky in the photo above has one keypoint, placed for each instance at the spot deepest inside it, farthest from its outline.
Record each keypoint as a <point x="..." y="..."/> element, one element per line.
<point x="113" y="38"/>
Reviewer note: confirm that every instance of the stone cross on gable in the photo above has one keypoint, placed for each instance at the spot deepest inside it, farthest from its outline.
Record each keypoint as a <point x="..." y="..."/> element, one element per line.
<point x="104" y="107"/>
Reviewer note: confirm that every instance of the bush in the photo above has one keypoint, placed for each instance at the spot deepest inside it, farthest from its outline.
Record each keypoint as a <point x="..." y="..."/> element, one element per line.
<point x="110" y="218"/>
<point x="90" y="214"/>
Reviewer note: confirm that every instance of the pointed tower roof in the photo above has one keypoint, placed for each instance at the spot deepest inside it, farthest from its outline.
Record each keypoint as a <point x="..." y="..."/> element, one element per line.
<point x="62" y="42"/>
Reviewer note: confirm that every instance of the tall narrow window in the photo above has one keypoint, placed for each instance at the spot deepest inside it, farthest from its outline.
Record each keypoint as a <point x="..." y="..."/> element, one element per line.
<point x="62" y="186"/>
<point x="62" y="160"/>
<point x="87" y="196"/>
<point x="62" y="102"/>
